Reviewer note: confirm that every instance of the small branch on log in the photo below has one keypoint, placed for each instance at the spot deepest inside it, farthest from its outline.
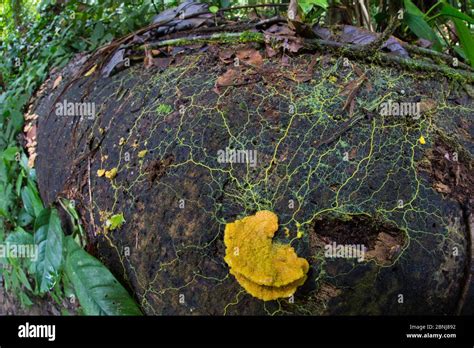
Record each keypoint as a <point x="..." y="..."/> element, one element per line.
<point x="434" y="54"/>
<point x="250" y="7"/>
<point x="349" y="50"/>
<point x="355" y="51"/>
<point x="377" y="43"/>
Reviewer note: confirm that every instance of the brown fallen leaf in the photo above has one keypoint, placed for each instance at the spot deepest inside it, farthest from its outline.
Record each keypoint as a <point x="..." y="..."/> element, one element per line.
<point x="351" y="89"/>
<point x="227" y="79"/>
<point x="226" y="56"/>
<point x="148" y="61"/>
<point x="250" y="56"/>
<point x="269" y="51"/>
<point x="57" y="81"/>
<point x="281" y="36"/>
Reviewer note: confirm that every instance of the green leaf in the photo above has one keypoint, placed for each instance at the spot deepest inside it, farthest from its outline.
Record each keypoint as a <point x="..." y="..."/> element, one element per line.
<point x="98" y="32"/>
<point x="412" y="9"/>
<point x="414" y="18"/>
<point x="308" y="5"/>
<point x="49" y="239"/>
<point x="20" y="236"/>
<point x="466" y="39"/>
<point x="213" y="9"/>
<point x="97" y="290"/>
<point x="421" y="29"/>
<point x="31" y="200"/>
<point x="24" y="219"/>
<point x="115" y="221"/>
<point x="10" y="153"/>
<point x="450" y="11"/>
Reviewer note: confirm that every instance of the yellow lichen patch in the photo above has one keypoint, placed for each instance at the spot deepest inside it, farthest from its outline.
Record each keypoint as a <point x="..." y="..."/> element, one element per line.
<point x="265" y="269"/>
<point x="100" y="172"/>
<point x="142" y="153"/>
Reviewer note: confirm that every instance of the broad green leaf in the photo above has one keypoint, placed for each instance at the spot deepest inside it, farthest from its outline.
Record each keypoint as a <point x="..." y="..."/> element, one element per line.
<point x="20" y="236"/>
<point x="466" y="39"/>
<point x="31" y="200"/>
<point x="422" y="29"/>
<point x="10" y="153"/>
<point x="412" y="9"/>
<point x="450" y="11"/>
<point x="308" y="5"/>
<point x="49" y="239"/>
<point x="97" y="290"/>
<point x="24" y="219"/>
<point x="213" y="9"/>
<point x="98" y="32"/>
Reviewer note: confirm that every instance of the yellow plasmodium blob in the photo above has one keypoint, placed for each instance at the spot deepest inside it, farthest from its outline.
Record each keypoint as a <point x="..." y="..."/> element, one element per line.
<point x="265" y="269"/>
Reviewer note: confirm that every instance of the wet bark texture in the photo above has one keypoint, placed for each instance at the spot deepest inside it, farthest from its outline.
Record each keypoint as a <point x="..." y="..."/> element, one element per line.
<point x="336" y="176"/>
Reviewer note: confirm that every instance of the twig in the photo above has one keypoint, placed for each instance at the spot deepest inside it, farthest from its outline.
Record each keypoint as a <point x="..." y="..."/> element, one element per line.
<point x="382" y="38"/>
<point x="434" y="54"/>
<point x="350" y="50"/>
<point x="250" y="6"/>
<point x="355" y="51"/>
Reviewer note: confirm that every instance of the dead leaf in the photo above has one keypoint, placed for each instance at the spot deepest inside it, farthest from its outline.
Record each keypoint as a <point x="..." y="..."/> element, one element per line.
<point x="294" y="45"/>
<point x="148" y="61"/>
<point x="351" y="89"/>
<point x="227" y="79"/>
<point x="226" y="55"/>
<point x="269" y="51"/>
<point x="361" y="36"/>
<point x="116" y="59"/>
<point x="90" y="71"/>
<point x="250" y="56"/>
<point x="57" y="81"/>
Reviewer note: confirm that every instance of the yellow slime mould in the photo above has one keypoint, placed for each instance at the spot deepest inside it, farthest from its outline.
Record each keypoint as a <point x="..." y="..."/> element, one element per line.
<point x="110" y="174"/>
<point x="264" y="269"/>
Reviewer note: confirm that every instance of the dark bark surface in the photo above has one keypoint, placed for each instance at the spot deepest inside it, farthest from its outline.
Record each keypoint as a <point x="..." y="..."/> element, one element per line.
<point x="331" y="175"/>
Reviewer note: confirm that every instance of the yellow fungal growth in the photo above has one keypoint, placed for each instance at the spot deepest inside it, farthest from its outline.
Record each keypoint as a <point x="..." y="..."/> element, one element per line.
<point x="422" y="140"/>
<point x="142" y="153"/>
<point x="265" y="269"/>
<point x="110" y="174"/>
<point x="100" y="172"/>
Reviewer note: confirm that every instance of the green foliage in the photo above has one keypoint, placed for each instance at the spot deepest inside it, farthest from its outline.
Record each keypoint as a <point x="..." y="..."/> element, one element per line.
<point x="414" y="18"/>
<point x="429" y="27"/>
<point x="116" y="221"/>
<point x="35" y="37"/>
<point x="96" y="288"/>
<point x="312" y="9"/>
<point x="49" y="239"/>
